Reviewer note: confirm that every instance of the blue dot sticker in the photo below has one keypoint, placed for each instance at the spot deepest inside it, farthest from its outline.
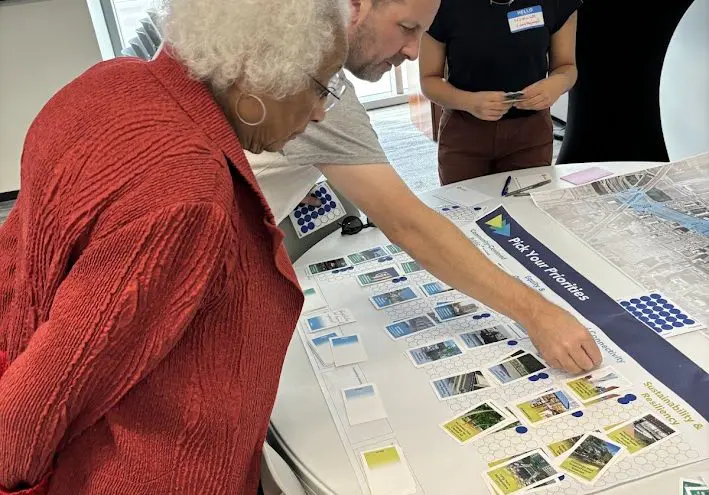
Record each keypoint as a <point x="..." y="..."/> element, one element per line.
<point x="521" y="430"/>
<point x="577" y="414"/>
<point x="323" y="190"/>
<point x="533" y="378"/>
<point x="511" y="342"/>
<point x="317" y="193"/>
<point x="304" y="229"/>
<point x="477" y="208"/>
<point x="543" y="376"/>
<point x="562" y="477"/>
<point x="627" y="399"/>
<point x="446" y="209"/>
<point x="625" y="304"/>
<point x="311" y="225"/>
<point x="485" y="315"/>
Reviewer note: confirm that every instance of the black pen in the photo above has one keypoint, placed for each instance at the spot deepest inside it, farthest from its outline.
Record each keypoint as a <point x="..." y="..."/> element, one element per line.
<point x="507" y="184"/>
<point x="533" y="186"/>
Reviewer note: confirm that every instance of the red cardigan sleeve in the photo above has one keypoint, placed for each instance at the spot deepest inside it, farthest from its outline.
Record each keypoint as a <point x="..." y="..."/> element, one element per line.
<point x="123" y="306"/>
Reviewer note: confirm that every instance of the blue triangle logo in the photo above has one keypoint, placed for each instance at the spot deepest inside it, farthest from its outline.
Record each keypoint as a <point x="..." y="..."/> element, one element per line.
<point x="504" y="230"/>
<point x="499" y="226"/>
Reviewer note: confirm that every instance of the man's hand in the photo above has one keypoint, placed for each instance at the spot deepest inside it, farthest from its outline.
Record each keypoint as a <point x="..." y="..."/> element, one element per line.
<point x="488" y="105"/>
<point x="542" y="94"/>
<point x="561" y="340"/>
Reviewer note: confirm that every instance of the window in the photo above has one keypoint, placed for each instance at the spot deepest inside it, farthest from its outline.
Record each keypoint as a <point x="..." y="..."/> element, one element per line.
<point x="128" y="14"/>
<point x="123" y="18"/>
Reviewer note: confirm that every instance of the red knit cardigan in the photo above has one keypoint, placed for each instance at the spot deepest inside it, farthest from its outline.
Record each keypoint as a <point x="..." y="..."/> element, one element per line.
<point x="146" y="298"/>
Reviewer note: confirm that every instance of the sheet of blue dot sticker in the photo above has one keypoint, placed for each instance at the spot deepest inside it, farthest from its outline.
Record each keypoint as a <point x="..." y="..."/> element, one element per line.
<point x="307" y="219"/>
<point x="660" y="313"/>
<point x="461" y="215"/>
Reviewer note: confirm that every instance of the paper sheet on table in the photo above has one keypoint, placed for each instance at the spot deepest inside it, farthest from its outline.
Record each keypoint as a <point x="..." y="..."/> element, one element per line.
<point x="463" y="196"/>
<point x="518" y="182"/>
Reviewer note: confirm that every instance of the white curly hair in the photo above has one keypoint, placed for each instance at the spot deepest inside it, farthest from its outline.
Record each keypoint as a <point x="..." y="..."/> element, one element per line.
<point x="266" y="46"/>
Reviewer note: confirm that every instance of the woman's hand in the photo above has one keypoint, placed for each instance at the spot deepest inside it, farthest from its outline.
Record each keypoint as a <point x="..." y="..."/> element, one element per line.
<point x="542" y="94"/>
<point x="488" y="105"/>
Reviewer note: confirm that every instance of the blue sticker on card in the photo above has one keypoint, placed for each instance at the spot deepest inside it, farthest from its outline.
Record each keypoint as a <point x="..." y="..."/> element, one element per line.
<point x="523" y="19"/>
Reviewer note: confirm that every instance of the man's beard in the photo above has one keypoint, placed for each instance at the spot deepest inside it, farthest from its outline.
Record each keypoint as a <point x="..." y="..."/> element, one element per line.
<point x="358" y="62"/>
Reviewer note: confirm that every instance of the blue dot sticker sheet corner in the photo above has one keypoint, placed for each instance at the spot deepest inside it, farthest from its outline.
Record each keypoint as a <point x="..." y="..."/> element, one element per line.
<point x="307" y="219"/>
<point x="660" y="313"/>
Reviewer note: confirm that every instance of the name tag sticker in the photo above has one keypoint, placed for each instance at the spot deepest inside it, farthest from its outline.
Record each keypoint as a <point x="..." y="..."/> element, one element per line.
<point x="523" y="19"/>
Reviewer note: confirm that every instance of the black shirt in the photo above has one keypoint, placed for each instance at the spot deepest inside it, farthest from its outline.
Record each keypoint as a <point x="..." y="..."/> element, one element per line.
<point x="482" y="52"/>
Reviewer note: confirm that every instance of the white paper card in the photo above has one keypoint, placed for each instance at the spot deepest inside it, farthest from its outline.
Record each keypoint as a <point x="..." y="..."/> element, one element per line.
<point x="322" y="347"/>
<point x="388" y="472"/>
<point x="314" y="299"/>
<point x="363" y="404"/>
<point x="347" y="350"/>
<point x="331" y="319"/>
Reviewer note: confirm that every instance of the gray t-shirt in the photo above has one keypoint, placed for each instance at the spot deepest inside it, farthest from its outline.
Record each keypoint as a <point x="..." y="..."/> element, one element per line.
<point x="345" y="137"/>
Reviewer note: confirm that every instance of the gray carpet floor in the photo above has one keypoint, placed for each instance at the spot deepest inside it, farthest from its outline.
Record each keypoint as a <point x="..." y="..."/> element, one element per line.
<point x="412" y="154"/>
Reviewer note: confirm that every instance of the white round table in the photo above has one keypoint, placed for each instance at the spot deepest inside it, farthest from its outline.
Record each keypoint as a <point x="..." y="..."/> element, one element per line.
<point x="301" y="421"/>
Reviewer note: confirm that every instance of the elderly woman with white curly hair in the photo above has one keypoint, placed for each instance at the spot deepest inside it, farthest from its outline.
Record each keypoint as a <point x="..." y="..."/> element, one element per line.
<point x="146" y="299"/>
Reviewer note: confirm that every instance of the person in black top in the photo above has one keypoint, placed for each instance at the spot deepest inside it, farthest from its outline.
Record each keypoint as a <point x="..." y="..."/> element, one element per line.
<point x="496" y="67"/>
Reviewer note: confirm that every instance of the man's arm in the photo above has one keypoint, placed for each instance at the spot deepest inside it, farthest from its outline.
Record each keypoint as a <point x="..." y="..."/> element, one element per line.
<point x="441" y="248"/>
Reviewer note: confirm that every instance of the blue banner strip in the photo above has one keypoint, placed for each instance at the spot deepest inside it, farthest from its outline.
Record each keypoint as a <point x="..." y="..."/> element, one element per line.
<point x="659" y="358"/>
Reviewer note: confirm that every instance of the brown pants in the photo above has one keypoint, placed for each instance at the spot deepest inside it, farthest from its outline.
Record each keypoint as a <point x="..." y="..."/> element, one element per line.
<point x="469" y="147"/>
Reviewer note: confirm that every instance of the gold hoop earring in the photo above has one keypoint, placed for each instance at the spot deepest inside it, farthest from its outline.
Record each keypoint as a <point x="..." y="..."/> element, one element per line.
<point x="242" y="119"/>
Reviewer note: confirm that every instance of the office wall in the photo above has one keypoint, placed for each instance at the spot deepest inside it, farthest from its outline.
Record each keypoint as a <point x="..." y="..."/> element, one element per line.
<point x="684" y="85"/>
<point x="44" y="44"/>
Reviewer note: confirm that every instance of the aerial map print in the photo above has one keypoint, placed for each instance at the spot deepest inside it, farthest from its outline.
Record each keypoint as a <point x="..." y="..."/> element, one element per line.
<point x="653" y="225"/>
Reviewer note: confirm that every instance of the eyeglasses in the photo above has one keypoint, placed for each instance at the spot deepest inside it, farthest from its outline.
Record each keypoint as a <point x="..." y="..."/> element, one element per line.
<point x="352" y="225"/>
<point x="336" y="87"/>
